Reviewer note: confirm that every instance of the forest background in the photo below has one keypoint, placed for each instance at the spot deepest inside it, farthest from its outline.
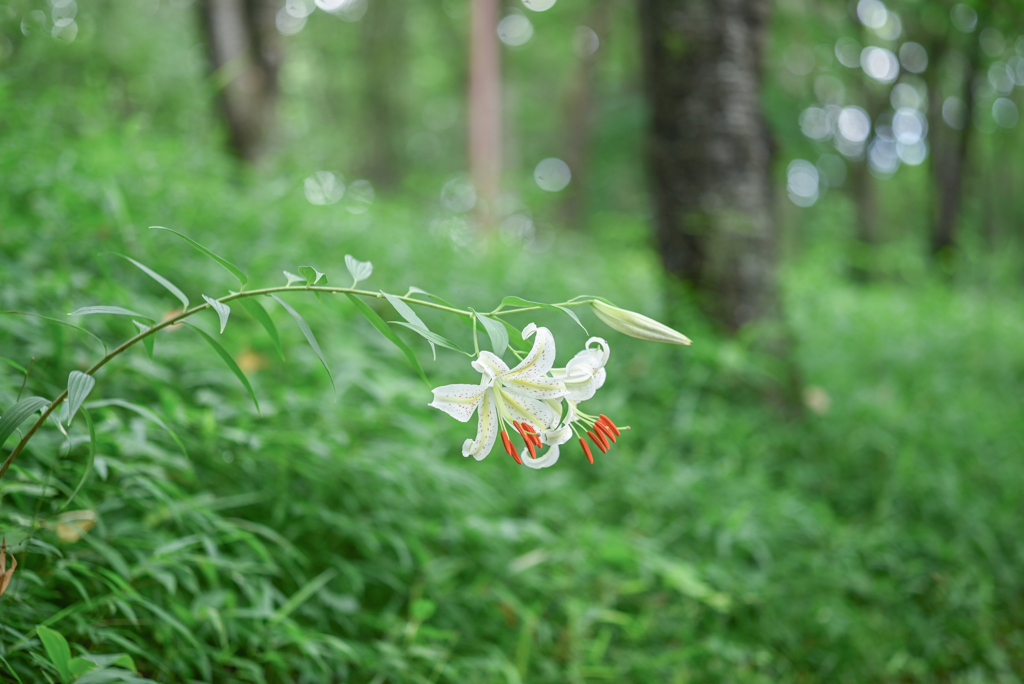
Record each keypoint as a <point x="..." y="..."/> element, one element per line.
<point x="825" y="487"/>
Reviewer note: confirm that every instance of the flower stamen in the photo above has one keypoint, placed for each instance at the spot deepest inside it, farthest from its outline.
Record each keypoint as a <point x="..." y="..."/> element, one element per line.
<point x="586" y="450"/>
<point x="597" y="441"/>
<point x="608" y="421"/>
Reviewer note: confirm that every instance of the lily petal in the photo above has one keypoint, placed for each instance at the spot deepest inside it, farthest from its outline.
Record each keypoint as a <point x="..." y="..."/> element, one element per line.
<point x="486" y="431"/>
<point x="527" y="409"/>
<point x="458" y="401"/>
<point x="540" y="359"/>
<point x="490" y="365"/>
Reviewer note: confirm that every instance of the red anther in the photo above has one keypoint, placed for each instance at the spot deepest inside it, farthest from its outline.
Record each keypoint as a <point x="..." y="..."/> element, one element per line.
<point x="529" y="428"/>
<point x="600" y="435"/>
<point x="508" y="445"/>
<point x="598" y="442"/>
<point x="604" y="431"/>
<point x="526" y="438"/>
<point x="586" y="450"/>
<point x="609" y="423"/>
<point x="515" y="455"/>
<point x="536" y="440"/>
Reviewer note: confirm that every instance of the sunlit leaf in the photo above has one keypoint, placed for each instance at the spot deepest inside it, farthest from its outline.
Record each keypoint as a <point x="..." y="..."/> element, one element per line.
<point x="79" y="386"/>
<point x="519" y="301"/>
<point x="115" y="310"/>
<point x="304" y="327"/>
<point x="496" y="331"/>
<point x="73" y="525"/>
<point x="17" y="414"/>
<point x="360" y="270"/>
<point x="230" y="267"/>
<point x="257" y="311"/>
<point x="409" y="315"/>
<point x="230" y="362"/>
<point x="387" y="332"/>
<point x="160" y="279"/>
<point x="222" y="309"/>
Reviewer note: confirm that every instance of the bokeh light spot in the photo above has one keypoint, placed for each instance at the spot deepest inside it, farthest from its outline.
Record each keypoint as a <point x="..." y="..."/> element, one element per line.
<point x="799" y="59"/>
<point x="880" y="64"/>
<point x="872" y="13"/>
<point x="992" y="42"/>
<point x="324" y="187"/>
<point x="360" y="196"/>
<point x="848" y="52"/>
<point x="964" y="17"/>
<point x="802" y="182"/>
<point x="854" y="124"/>
<point x="539" y="5"/>
<point x="288" y="24"/>
<point x="552" y="174"/>
<point x="515" y="30"/>
<point x="954" y="112"/>
<point x="585" y="41"/>
<point x="1004" y="111"/>
<point x="913" y="57"/>
<point x="458" y="195"/>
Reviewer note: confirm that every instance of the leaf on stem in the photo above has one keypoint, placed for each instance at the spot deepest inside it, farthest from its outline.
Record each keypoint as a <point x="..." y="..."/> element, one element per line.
<point x="292" y="278"/>
<point x="387" y="332"/>
<point x="257" y="311"/>
<point x="60" y="322"/>
<point x="432" y="337"/>
<point x="312" y="275"/>
<point x="519" y="301"/>
<point x="160" y="279"/>
<point x="115" y="310"/>
<point x="496" y="331"/>
<point x="79" y="386"/>
<point x="149" y="341"/>
<point x="222" y="309"/>
<point x="13" y="364"/>
<point x="230" y="362"/>
<point x="409" y="315"/>
<point x="515" y="337"/>
<point x="142" y="411"/>
<point x="360" y="270"/>
<point x="16" y="415"/>
<point x="304" y="327"/>
<point x="230" y="267"/>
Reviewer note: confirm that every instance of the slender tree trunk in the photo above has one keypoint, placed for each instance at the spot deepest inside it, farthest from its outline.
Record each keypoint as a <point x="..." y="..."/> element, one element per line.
<point x="383" y="47"/>
<point x="245" y="52"/>
<point x="485" y="104"/>
<point x="949" y="158"/>
<point x="709" y="152"/>
<point x="581" y="116"/>
<point x="862" y="186"/>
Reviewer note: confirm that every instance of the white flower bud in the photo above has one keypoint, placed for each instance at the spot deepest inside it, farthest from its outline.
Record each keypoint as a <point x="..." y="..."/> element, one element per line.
<point x="637" y="325"/>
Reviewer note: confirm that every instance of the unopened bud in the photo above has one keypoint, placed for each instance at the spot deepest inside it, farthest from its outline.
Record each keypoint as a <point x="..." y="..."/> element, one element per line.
<point x="637" y="325"/>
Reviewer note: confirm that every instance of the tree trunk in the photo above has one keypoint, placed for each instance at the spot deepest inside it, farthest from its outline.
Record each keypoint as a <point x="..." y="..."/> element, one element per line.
<point x="383" y="47"/>
<point x="709" y="152"/>
<point x="245" y="52"/>
<point x="485" y="104"/>
<point x="580" y="119"/>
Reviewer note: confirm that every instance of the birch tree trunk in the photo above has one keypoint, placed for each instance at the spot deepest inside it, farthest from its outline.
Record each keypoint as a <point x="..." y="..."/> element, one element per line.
<point x="709" y="152"/>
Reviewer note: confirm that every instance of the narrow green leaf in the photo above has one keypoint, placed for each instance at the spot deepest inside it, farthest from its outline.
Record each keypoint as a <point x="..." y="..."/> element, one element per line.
<point x="60" y="322"/>
<point x="142" y="411"/>
<point x="222" y="309"/>
<point x="223" y="354"/>
<point x="408" y="314"/>
<point x="116" y="310"/>
<point x="387" y="332"/>
<point x="515" y="336"/>
<point x="302" y="595"/>
<point x="304" y="327"/>
<point x="13" y="364"/>
<point x="431" y="337"/>
<point x="11" y="670"/>
<point x="359" y="270"/>
<point x="496" y="331"/>
<point x="149" y="341"/>
<point x="230" y="267"/>
<point x="257" y="311"/>
<point x="79" y="386"/>
<point x="519" y="301"/>
<point x="57" y="650"/>
<point x="292" y="278"/>
<point x="416" y="290"/>
<point x="88" y="464"/>
<point x="16" y="415"/>
<point x="160" y="279"/>
<point x="312" y="275"/>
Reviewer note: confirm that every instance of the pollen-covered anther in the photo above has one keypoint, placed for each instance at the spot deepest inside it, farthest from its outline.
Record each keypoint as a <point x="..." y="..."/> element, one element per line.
<point x="508" y="445"/>
<point x="526" y="438"/>
<point x="597" y="441"/>
<point x="586" y="450"/>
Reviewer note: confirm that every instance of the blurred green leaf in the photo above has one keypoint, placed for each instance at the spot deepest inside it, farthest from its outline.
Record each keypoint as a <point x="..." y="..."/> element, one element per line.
<point x="142" y="411"/>
<point x="229" y="362"/>
<point x="58" y="322"/>
<point x="301" y="596"/>
<point x="149" y="341"/>
<point x="409" y="315"/>
<point x="431" y="337"/>
<point x="57" y="650"/>
<point x="257" y="311"/>
<point x="520" y="302"/>
<point x="88" y="464"/>
<point x="388" y="333"/>
<point x="115" y="310"/>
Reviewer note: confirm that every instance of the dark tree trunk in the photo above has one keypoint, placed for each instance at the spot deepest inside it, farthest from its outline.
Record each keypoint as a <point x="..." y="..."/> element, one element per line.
<point x="581" y="116"/>
<point x="245" y="52"/>
<point x="862" y="187"/>
<point x="709" y="152"/>
<point x="383" y="47"/>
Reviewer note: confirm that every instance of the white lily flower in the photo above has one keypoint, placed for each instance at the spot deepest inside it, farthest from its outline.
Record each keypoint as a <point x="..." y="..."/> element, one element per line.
<point x="585" y="374"/>
<point x="552" y="438"/>
<point x="517" y="396"/>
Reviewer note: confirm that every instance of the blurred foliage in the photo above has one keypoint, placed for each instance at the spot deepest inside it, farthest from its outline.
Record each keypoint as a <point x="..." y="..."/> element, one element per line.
<point x="340" y="537"/>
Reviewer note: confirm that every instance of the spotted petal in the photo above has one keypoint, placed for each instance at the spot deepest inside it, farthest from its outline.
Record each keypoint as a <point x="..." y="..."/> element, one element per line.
<point x="486" y="431"/>
<point x="458" y="401"/>
<point x="540" y="359"/>
<point x="516" y="406"/>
